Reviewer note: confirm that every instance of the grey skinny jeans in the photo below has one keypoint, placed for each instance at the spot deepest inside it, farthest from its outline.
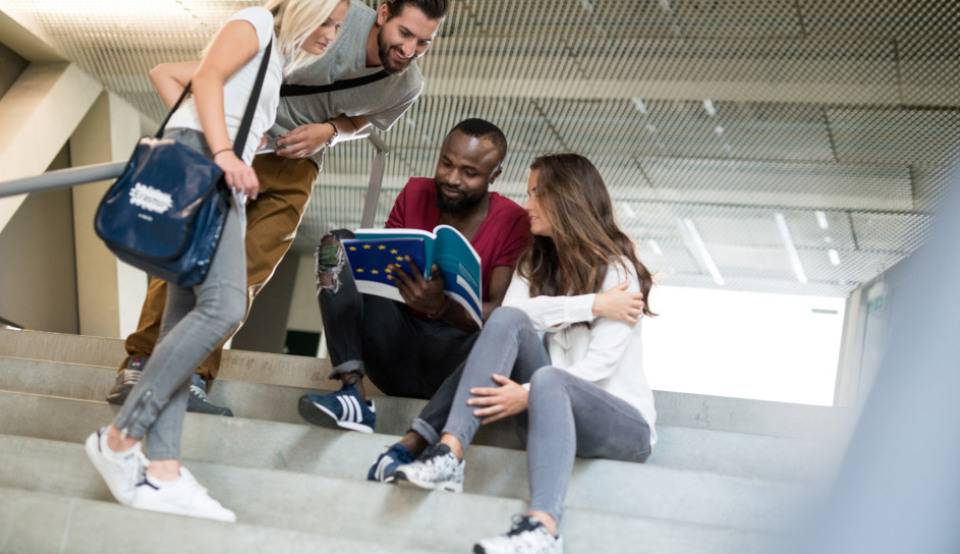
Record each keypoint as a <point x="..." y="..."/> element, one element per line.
<point x="195" y="321"/>
<point x="567" y="416"/>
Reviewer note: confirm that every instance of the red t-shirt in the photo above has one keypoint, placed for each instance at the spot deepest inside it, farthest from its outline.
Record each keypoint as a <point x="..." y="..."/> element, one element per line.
<point x="502" y="236"/>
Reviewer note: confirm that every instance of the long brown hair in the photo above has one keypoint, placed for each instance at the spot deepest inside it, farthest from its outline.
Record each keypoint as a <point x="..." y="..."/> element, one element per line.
<point x="585" y="238"/>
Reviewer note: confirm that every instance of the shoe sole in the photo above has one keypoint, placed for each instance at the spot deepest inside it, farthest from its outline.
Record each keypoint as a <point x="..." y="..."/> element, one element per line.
<point x="232" y="518"/>
<point x="92" y="449"/>
<point x="401" y="479"/>
<point x="118" y="397"/>
<point x="224" y="412"/>
<point x="322" y="417"/>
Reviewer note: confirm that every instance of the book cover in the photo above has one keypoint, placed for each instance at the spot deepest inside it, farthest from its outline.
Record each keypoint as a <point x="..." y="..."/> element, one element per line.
<point x="373" y="250"/>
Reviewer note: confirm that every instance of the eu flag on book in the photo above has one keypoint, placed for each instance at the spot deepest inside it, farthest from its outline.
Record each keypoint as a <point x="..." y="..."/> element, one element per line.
<point x="374" y="251"/>
<point x="372" y="260"/>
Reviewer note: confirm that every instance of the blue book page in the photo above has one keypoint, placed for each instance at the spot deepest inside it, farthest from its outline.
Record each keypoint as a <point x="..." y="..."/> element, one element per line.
<point x="426" y="237"/>
<point x="370" y="261"/>
<point x="460" y="265"/>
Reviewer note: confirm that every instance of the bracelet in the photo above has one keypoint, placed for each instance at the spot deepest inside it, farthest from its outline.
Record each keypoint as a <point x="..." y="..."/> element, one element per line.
<point x="336" y="133"/>
<point x="221" y="151"/>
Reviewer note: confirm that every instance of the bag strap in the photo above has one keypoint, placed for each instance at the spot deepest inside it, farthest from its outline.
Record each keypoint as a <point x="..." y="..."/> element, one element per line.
<point x="163" y="126"/>
<point x="241" y="139"/>
<point x="304" y="90"/>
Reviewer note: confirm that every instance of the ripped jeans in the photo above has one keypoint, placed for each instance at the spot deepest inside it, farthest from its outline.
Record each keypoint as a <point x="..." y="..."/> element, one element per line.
<point x="401" y="352"/>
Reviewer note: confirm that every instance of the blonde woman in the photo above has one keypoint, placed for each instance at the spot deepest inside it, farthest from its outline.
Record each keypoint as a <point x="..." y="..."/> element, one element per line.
<point x="197" y="319"/>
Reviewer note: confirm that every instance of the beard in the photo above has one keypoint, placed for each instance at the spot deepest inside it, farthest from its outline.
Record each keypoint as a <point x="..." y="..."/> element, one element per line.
<point x="458" y="206"/>
<point x="389" y="64"/>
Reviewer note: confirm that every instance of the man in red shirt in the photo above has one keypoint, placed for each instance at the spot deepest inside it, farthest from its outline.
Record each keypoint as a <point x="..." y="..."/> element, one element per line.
<point x="410" y="348"/>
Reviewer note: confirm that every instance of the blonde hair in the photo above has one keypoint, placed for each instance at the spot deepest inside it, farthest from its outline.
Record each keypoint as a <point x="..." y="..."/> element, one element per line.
<point x="294" y="21"/>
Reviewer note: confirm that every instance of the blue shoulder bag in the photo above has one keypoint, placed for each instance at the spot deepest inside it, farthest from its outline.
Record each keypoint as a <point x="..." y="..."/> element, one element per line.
<point x="165" y="213"/>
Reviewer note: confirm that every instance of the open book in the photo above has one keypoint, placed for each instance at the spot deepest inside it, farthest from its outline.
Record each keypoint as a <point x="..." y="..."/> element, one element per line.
<point x="374" y="250"/>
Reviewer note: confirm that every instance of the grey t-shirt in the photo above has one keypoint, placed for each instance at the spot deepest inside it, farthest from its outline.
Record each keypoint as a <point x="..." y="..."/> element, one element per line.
<point x="382" y="102"/>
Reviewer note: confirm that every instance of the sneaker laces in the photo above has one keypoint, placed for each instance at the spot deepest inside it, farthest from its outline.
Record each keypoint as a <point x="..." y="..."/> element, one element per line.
<point x="399" y="453"/>
<point x="522" y="524"/>
<point x="198" y="391"/>
<point x="435" y="455"/>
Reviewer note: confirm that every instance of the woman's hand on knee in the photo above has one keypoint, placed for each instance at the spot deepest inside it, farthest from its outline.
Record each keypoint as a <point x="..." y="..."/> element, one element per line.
<point x="496" y="403"/>
<point x="619" y="304"/>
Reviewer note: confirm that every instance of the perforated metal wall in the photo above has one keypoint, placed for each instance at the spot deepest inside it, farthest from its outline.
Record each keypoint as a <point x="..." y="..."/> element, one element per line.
<point x="718" y="125"/>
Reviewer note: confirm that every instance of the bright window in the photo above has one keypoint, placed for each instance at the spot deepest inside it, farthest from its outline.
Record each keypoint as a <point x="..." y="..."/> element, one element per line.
<point x="764" y="346"/>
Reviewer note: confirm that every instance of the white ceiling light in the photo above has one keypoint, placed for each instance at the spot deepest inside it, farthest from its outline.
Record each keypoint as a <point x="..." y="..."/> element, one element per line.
<point x="651" y="128"/>
<point x="791" y="248"/>
<point x="828" y="240"/>
<point x="587" y="5"/>
<point x="655" y="247"/>
<point x="639" y="105"/>
<point x="709" y="107"/>
<point x="718" y="130"/>
<point x="695" y="242"/>
<point x="822" y="220"/>
<point x="627" y="210"/>
<point x="665" y="5"/>
<point x="834" y="256"/>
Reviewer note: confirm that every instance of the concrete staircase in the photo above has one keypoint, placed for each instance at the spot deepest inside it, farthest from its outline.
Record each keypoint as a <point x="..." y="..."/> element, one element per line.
<point x="727" y="475"/>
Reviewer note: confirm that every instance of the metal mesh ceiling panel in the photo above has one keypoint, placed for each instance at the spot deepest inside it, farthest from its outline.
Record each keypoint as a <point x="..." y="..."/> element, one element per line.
<point x="739" y="140"/>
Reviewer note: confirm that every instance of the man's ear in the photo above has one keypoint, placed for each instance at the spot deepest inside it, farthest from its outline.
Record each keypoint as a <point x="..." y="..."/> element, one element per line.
<point x="383" y="14"/>
<point x="496" y="173"/>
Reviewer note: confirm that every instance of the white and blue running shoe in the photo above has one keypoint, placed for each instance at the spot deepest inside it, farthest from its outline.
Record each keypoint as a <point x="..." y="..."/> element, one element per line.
<point x="345" y="409"/>
<point x="387" y="463"/>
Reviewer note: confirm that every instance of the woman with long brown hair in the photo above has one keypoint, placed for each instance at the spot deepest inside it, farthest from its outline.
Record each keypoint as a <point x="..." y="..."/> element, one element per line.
<point x="582" y="387"/>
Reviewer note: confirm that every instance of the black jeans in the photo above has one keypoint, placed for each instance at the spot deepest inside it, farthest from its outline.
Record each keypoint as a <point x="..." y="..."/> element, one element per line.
<point x="403" y="354"/>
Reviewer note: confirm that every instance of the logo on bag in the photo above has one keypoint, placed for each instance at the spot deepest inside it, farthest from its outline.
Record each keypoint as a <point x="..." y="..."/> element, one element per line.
<point x="150" y="199"/>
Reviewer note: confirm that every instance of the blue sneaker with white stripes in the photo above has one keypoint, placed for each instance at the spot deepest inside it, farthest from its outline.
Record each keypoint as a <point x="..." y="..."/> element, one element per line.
<point x="387" y="463"/>
<point x="345" y="409"/>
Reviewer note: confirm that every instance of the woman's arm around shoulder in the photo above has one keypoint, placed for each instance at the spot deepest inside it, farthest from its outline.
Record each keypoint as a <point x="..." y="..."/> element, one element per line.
<point x="609" y="338"/>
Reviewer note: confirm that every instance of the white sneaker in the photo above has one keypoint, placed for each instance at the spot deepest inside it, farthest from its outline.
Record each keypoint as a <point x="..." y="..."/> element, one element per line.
<point x="120" y="470"/>
<point x="527" y="536"/>
<point x="183" y="496"/>
<point x="437" y="468"/>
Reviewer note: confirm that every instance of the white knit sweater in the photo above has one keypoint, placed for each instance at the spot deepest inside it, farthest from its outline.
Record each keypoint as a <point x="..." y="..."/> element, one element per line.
<point x="608" y="353"/>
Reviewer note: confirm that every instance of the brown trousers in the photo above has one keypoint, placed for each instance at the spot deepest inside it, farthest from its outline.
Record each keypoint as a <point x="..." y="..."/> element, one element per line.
<point x="272" y="221"/>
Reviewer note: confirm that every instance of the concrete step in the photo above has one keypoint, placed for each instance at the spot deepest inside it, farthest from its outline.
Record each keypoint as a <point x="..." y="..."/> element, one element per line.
<point x="383" y="514"/>
<point x="240" y="365"/>
<point x="678" y="409"/>
<point x="42" y="522"/>
<point x="679" y="447"/>
<point x="597" y="485"/>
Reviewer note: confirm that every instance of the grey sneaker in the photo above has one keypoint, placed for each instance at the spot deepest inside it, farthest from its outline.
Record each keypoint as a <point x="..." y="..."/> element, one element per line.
<point x="199" y="403"/>
<point x="437" y="468"/>
<point x="126" y="379"/>
<point x="527" y="536"/>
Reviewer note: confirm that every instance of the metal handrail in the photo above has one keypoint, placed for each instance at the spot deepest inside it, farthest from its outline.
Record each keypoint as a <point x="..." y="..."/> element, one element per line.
<point x="375" y="184"/>
<point x="6" y="323"/>
<point x="65" y="178"/>
<point x="62" y="178"/>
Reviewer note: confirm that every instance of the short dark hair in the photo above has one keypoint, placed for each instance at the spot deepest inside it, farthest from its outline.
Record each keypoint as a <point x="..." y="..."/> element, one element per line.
<point x="433" y="9"/>
<point x="481" y="128"/>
